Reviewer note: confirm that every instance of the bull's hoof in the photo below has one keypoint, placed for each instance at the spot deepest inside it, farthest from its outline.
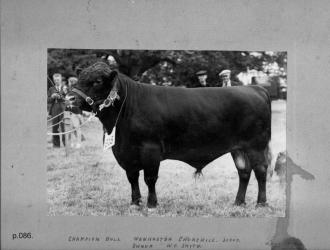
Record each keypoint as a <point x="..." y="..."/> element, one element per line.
<point x="151" y="210"/>
<point x="134" y="207"/>
<point x="240" y="203"/>
<point x="152" y="204"/>
<point x="152" y="201"/>
<point x="262" y="204"/>
<point x="136" y="202"/>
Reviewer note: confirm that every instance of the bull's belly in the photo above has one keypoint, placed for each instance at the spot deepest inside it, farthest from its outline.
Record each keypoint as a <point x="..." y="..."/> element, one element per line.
<point x="196" y="157"/>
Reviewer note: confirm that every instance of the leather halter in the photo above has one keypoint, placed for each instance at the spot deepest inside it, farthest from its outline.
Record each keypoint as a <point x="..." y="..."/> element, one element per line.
<point x="88" y="99"/>
<point x="113" y="95"/>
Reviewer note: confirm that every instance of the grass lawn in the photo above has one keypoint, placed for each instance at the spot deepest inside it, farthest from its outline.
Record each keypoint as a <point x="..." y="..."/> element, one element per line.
<point x="89" y="181"/>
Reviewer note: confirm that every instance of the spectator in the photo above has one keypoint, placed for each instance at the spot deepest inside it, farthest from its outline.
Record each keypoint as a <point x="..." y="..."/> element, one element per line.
<point x="65" y="89"/>
<point x="202" y="76"/>
<point x="254" y="80"/>
<point x="225" y="80"/>
<point x="78" y="70"/>
<point x="72" y="81"/>
<point x="63" y="81"/>
<point x="57" y="106"/>
<point x="112" y="62"/>
<point x="75" y="116"/>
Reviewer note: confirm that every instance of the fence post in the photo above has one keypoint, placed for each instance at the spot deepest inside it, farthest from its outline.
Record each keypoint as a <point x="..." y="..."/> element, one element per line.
<point x="67" y="127"/>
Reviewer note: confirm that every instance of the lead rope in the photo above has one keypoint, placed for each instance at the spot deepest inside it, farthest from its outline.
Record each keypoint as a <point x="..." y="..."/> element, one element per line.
<point x="73" y="130"/>
<point x="89" y="118"/>
<point x="53" y="125"/>
<point x="48" y="120"/>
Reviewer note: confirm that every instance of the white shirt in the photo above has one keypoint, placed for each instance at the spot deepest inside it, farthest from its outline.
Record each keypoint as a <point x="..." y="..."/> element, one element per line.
<point x="228" y="84"/>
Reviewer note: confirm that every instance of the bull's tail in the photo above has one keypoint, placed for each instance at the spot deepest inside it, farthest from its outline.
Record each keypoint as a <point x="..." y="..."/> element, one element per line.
<point x="268" y="151"/>
<point x="269" y="159"/>
<point x="269" y="102"/>
<point x="267" y="98"/>
<point x="268" y="155"/>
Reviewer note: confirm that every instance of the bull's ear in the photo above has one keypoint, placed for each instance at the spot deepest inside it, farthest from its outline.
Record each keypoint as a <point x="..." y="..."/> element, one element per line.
<point x="110" y="78"/>
<point x="113" y="74"/>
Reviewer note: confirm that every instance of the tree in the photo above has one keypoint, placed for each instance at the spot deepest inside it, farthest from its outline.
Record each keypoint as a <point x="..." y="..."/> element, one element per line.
<point x="164" y="66"/>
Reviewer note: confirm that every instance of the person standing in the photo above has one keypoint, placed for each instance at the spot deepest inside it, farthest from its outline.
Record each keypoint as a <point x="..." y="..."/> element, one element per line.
<point x="202" y="76"/>
<point x="225" y="79"/>
<point x="75" y="114"/>
<point x="57" y="106"/>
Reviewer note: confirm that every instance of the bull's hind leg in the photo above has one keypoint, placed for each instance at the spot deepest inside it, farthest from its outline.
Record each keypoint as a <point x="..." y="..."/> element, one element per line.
<point x="244" y="172"/>
<point x="150" y="159"/>
<point x="133" y="179"/>
<point x="259" y="163"/>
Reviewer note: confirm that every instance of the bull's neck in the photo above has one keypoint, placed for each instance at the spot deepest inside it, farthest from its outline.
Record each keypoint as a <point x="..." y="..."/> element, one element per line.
<point x="110" y="115"/>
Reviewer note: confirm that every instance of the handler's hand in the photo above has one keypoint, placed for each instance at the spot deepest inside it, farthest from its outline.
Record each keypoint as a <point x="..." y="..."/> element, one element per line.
<point x="55" y="96"/>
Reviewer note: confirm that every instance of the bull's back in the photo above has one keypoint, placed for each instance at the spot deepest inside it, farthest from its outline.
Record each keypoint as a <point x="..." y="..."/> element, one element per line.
<point x="213" y="110"/>
<point x="191" y="118"/>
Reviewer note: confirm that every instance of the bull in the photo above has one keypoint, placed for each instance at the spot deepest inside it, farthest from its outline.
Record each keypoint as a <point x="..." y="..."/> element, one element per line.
<point x="195" y="125"/>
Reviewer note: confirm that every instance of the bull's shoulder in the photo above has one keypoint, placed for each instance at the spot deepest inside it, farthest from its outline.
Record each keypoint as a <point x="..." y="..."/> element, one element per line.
<point x="257" y="88"/>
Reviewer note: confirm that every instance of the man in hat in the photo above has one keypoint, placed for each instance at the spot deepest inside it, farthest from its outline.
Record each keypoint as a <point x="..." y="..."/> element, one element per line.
<point x="57" y="106"/>
<point x="202" y="76"/>
<point x="72" y="80"/>
<point x="225" y="80"/>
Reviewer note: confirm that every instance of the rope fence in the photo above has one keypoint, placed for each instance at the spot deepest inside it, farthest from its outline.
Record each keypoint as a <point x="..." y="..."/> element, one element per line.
<point x="72" y="130"/>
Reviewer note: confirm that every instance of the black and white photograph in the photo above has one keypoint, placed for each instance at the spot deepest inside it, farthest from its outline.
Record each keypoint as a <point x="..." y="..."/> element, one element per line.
<point x="189" y="124"/>
<point x="166" y="133"/>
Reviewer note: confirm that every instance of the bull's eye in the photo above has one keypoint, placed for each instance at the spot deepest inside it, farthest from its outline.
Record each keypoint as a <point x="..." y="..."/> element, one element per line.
<point x="97" y="84"/>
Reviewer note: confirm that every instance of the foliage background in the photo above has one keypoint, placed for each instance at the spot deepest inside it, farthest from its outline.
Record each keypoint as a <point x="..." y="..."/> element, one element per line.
<point x="165" y="67"/>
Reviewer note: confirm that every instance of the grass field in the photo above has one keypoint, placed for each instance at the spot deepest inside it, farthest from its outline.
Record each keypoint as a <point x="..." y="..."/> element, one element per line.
<point x="89" y="181"/>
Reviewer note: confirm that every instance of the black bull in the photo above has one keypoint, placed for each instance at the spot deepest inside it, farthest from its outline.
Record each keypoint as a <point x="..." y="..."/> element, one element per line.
<point x="195" y="126"/>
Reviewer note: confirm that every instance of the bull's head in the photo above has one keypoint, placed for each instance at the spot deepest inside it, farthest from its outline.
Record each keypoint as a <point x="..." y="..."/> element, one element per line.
<point x="93" y="87"/>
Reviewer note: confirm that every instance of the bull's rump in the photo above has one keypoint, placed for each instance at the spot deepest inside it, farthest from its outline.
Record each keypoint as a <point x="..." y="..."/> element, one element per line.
<point x="211" y="120"/>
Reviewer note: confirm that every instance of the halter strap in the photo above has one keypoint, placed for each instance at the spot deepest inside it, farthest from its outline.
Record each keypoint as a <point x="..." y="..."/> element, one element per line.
<point x="113" y="95"/>
<point x="88" y="99"/>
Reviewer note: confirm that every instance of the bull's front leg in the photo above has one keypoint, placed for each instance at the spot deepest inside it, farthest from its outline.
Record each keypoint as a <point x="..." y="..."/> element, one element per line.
<point x="150" y="156"/>
<point x="151" y="180"/>
<point x="133" y="179"/>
